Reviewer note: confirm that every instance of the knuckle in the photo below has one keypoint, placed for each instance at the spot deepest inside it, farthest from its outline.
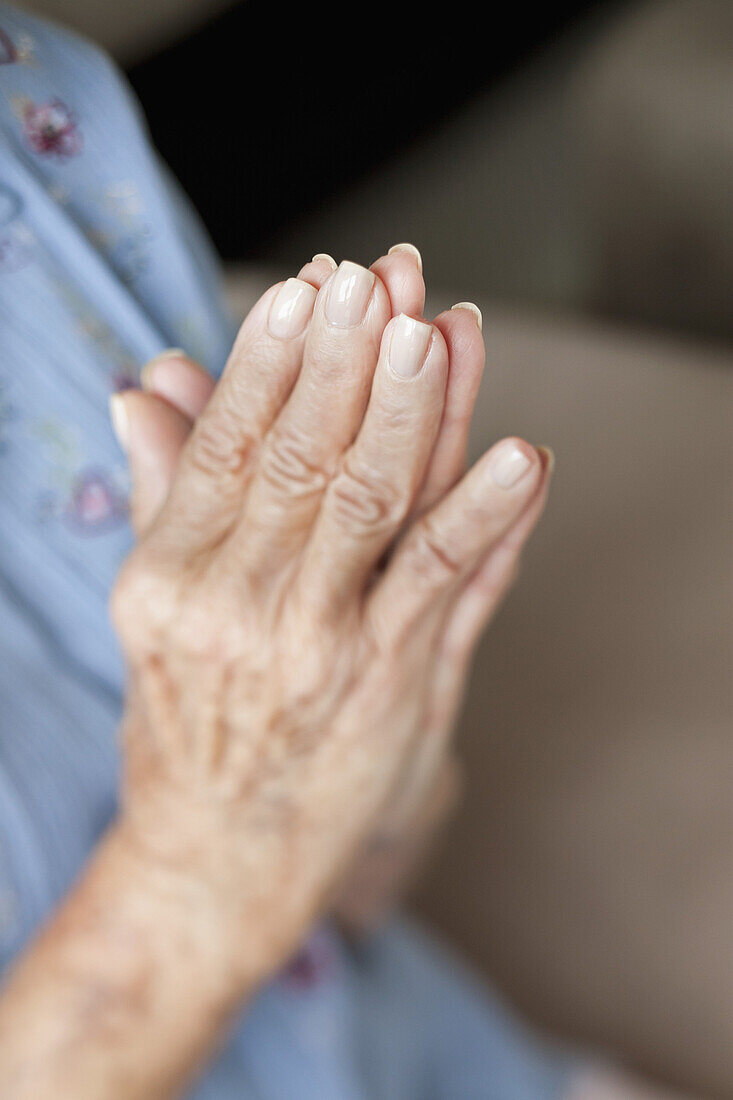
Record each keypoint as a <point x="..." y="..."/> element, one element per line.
<point x="207" y="636"/>
<point x="431" y="562"/>
<point x="250" y="347"/>
<point x="156" y="608"/>
<point x="393" y="414"/>
<point x="365" y="502"/>
<point x="127" y="595"/>
<point x="219" y="446"/>
<point x="287" y="466"/>
<point x="140" y="602"/>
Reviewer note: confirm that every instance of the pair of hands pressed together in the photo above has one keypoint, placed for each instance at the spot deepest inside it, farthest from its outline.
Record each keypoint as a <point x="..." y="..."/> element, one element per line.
<point x="313" y="571"/>
<point x="303" y="686"/>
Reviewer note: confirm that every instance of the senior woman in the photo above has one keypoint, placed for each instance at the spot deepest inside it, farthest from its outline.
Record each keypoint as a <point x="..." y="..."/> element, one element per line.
<point x="312" y="572"/>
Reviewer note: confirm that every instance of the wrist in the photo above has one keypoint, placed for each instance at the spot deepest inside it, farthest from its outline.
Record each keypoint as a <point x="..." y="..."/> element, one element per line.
<point x="134" y="980"/>
<point x="202" y="861"/>
<point x="165" y="902"/>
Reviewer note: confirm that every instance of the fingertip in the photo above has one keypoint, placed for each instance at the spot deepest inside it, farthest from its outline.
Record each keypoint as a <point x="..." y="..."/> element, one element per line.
<point x="547" y="456"/>
<point x="467" y="353"/>
<point x="120" y="419"/>
<point x="129" y="413"/>
<point x="324" y="256"/>
<point x="179" y="380"/>
<point x="406" y="346"/>
<point x="462" y="332"/>
<point x="291" y="309"/>
<point x="510" y="462"/>
<point x="472" y="309"/>
<point x="152" y="434"/>
<point x="407" y="249"/>
<point x="404" y="283"/>
<point x="349" y="297"/>
<point x="438" y="355"/>
<point x="411" y="347"/>
<point x="144" y="422"/>
<point x="148" y="371"/>
<point x="318" y="270"/>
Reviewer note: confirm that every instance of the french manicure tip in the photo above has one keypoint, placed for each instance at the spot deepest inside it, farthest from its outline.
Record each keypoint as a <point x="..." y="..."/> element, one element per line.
<point x="324" y="256"/>
<point x="549" y="457"/>
<point x="405" y="246"/>
<point x="169" y="353"/>
<point x="118" y="416"/>
<point x="472" y="308"/>
<point x="146" y="373"/>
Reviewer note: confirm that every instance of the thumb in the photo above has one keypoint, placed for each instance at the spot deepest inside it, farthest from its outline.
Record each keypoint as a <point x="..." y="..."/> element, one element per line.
<point x="152" y="427"/>
<point x="180" y="381"/>
<point x="152" y="434"/>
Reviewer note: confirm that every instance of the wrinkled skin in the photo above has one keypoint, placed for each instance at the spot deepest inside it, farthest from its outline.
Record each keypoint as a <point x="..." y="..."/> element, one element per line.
<point x="300" y="611"/>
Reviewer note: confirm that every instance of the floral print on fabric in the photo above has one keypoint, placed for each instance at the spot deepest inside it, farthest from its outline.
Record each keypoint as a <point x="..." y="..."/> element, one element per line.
<point x="49" y="129"/>
<point x="313" y="964"/>
<point x="20" y="50"/>
<point x="89" y="499"/>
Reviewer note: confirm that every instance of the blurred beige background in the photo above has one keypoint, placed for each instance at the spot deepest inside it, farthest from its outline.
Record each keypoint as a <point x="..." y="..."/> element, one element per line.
<point x="586" y="206"/>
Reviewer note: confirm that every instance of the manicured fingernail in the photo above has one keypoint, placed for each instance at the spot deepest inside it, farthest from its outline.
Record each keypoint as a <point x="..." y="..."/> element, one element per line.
<point x="291" y="309"/>
<point x="348" y="295"/>
<point x="405" y="246"/>
<point x="324" y="256"/>
<point x="408" y="345"/>
<point x="146" y="374"/>
<point x="508" y="464"/>
<point x="549" y="457"/>
<point x="120" y="421"/>
<point x="472" y="308"/>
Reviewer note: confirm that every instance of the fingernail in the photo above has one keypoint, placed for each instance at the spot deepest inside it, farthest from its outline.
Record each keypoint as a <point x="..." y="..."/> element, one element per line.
<point x="291" y="309"/>
<point x="348" y="295"/>
<point x="549" y="457"/>
<point x="472" y="308"/>
<point x="405" y="246"/>
<point x="120" y="421"/>
<point x="324" y="256"/>
<point x="408" y="345"/>
<point x="169" y="353"/>
<point x="508" y="465"/>
<point x="146" y="374"/>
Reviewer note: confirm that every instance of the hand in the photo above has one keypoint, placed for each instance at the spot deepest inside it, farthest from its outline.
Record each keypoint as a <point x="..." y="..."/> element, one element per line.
<point x="279" y="682"/>
<point x="427" y="789"/>
<point x="386" y="865"/>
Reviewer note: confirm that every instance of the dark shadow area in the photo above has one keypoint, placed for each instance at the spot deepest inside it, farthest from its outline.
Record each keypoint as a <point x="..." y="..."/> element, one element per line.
<point x="265" y="112"/>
